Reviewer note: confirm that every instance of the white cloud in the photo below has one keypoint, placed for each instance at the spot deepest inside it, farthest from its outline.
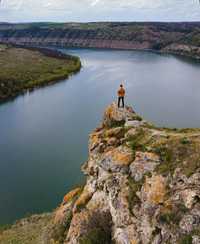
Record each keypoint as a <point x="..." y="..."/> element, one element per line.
<point x="95" y="10"/>
<point x="95" y="2"/>
<point x="13" y="4"/>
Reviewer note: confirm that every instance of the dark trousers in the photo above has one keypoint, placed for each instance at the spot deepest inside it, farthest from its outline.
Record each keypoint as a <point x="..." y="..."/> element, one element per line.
<point x="119" y="101"/>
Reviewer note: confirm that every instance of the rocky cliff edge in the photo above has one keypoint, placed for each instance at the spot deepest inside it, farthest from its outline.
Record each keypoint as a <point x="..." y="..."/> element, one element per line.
<point x="142" y="186"/>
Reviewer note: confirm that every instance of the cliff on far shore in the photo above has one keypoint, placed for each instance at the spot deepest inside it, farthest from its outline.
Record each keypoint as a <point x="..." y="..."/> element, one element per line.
<point x="179" y="38"/>
<point x="142" y="186"/>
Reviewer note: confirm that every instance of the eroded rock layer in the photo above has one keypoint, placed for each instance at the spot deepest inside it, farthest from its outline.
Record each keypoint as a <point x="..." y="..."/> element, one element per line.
<point x="179" y="38"/>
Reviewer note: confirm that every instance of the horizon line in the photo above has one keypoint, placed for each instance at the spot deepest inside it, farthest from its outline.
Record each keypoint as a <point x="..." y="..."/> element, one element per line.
<point x="93" y="22"/>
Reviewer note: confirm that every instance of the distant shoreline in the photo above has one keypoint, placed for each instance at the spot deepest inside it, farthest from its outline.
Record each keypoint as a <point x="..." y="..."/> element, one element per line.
<point x="11" y="87"/>
<point x="54" y="48"/>
<point x="52" y="51"/>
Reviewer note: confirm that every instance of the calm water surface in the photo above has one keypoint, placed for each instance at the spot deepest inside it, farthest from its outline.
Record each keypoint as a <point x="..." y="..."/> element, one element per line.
<point x="44" y="134"/>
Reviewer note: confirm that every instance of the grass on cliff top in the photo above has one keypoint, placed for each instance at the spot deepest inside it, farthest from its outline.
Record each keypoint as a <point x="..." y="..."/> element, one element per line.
<point x="178" y="148"/>
<point x="25" y="69"/>
<point x="182" y="152"/>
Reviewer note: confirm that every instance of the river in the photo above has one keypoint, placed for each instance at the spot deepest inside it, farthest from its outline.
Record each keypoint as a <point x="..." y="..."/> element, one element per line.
<point x="44" y="134"/>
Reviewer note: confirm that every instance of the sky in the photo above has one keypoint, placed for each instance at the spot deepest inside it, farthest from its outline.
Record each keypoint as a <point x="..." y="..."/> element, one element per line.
<point x="99" y="10"/>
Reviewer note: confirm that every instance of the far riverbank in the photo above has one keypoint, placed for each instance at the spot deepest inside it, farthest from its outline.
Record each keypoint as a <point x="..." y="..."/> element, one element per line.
<point x="27" y="68"/>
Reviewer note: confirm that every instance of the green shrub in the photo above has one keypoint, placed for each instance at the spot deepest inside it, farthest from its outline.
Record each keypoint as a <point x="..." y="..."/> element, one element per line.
<point x="115" y="123"/>
<point x="169" y="218"/>
<point x="136" y="142"/>
<point x="185" y="141"/>
<point x="96" y="236"/>
<point x="137" y="117"/>
<point x="59" y="231"/>
<point x="186" y="239"/>
<point x="4" y="227"/>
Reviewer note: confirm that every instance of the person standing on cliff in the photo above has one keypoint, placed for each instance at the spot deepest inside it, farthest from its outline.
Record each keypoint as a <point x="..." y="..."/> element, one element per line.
<point x="121" y="94"/>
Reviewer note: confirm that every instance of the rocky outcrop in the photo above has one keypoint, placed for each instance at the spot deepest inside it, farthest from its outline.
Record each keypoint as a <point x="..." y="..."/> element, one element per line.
<point x="143" y="185"/>
<point x="183" y="50"/>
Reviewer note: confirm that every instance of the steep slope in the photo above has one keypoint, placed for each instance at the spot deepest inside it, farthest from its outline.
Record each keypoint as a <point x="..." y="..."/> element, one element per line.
<point x="181" y="38"/>
<point x="143" y="186"/>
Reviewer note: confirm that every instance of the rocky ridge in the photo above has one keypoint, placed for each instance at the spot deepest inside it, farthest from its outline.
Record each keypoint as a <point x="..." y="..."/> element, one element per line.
<point x="142" y="186"/>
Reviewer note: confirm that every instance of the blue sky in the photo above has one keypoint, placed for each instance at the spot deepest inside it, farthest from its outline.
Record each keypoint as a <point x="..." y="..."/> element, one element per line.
<point x="99" y="10"/>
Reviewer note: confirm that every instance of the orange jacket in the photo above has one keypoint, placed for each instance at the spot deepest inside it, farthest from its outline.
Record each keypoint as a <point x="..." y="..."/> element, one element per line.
<point x="121" y="92"/>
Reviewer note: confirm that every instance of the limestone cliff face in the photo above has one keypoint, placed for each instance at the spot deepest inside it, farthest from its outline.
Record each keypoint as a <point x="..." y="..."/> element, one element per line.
<point x="142" y="186"/>
<point x="166" y="37"/>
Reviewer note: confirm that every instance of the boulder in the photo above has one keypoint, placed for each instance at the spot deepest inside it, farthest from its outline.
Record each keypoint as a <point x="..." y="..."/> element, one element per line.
<point x="134" y="123"/>
<point x="114" y="116"/>
<point x="117" y="160"/>
<point x="144" y="162"/>
<point x="154" y="190"/>
<point x="127" y="235"/>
